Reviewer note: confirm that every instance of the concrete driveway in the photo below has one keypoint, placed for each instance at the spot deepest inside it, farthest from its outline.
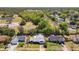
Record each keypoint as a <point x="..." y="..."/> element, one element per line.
<point x="12" y="47"/>
<point x="41" y="48"/>
<point x="64" y="48"/>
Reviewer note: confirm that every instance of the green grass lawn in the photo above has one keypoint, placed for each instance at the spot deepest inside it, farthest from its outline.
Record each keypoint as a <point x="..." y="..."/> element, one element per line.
<point x="53" y="46"/>
<point x="33" y="46"/>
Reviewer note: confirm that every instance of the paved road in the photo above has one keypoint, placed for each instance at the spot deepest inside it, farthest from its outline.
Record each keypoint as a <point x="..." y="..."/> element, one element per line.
<point x="41" y="48"/>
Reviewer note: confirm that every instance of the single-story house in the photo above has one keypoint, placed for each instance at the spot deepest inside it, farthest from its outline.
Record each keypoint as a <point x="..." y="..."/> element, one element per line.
<point x="6" y="17"/>
<point x="60" y="20"/>
<point x="16" y="39"/>
<point x="21" y="38"/>
<point x="39" y="38"/>
<point x="57" y="39"/>
<point x="75" y="38"/>
<point x="72" y="25"/>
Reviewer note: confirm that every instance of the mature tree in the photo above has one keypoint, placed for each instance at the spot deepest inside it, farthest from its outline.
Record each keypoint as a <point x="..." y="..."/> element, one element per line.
<point x="7" y="31"/>
<point x="64" y="27"/>
<point x="23" y="22"/>
<point x="44" y="27"/>
<point x="43" y="24"/>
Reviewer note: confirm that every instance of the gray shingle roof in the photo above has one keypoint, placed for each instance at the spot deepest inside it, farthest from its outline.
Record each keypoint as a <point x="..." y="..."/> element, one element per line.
<point x="56" y="38"/>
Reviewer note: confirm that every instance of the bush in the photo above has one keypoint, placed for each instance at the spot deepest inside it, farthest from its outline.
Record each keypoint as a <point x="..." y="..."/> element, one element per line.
<point x="21" y="44"/>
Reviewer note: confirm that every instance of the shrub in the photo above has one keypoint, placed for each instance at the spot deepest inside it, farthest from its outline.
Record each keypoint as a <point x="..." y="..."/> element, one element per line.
<point x="21" y="44"/>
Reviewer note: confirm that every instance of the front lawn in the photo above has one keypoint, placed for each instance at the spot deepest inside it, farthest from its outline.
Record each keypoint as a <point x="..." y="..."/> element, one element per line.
<point x="32" y="45"/>
<point x="29" y="47"/>
<point x="53" y="46"/>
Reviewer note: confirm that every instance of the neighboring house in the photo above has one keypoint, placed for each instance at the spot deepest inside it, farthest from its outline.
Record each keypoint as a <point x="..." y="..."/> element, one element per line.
<point x="60" y="20"/>
<point x="6" y="17"/>
<point x="3" y="38"/>
<point x="72" y="25"/>
<point x="75" y="38"/>
<point x="38" y="39"/>
<point x="57" y="39"/>
<point x="77" y="26"/>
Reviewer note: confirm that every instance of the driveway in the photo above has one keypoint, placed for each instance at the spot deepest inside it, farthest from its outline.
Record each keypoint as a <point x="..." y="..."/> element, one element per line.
<point x="41" y="48"/>
<point x="12" y="47"/>
<point x="64" y="48"/>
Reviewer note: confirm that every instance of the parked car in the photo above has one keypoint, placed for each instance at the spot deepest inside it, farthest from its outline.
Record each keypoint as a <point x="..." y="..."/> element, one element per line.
<point x="14" y="41"/>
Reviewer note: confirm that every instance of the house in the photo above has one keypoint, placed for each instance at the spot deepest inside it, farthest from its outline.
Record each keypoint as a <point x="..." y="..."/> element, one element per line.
<point x="38" y="39"/>
<point x="75" y="38"/>
<point x="60" y="20"/>
<point x="6" y="17"/>
<point x="72" y="25"/>
<point x="3" y="38"/>
<point x="17" y="39"/>
<point x="21" y="38"/>
<point x="56" y="39"/>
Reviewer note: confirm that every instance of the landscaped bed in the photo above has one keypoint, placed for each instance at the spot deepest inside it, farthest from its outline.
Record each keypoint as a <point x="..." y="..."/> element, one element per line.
<point x="53" y="46"/>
